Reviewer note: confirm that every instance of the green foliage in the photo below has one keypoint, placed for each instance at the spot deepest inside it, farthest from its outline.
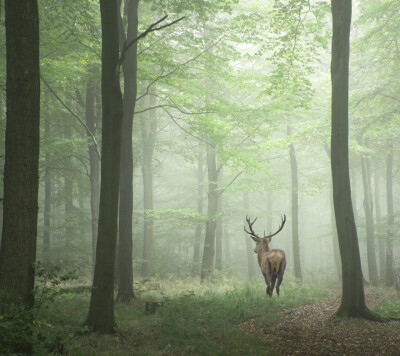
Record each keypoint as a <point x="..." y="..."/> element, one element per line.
<point x="20" y="325"/>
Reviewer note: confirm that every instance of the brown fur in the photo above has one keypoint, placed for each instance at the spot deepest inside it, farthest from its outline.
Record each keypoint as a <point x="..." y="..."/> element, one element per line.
<point x="272" y="264"/>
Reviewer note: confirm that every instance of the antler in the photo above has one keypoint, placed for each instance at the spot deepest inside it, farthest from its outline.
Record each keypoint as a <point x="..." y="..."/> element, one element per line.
<point x="280" y="227"/>
<point x="252" y="234"/>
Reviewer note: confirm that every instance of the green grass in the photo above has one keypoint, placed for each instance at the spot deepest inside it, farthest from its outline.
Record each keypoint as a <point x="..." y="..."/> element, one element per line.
<point x="389" y="307"/>
<point x="194" y="319"/>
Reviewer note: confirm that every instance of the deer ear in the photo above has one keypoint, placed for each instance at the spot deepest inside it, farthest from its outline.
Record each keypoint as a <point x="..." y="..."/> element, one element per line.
<point x="268" y="239"/>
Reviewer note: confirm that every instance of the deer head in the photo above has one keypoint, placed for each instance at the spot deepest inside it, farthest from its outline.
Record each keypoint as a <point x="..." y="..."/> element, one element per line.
<point x="266" y="239"/>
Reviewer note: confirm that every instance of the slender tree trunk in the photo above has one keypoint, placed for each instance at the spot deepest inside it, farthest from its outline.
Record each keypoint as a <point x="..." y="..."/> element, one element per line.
<point x="69" y="218"/>
<point x="101" y="309"/>
<point x="390" y="221"/>
<point x="249" y="248"/>
<point x="94" y="174"/>
<point x="369" y="217"/>
<point x="149" y="132"/>
<point x="295" y="211"/>
<point x="218" y="234"/>
<point x="200" y="198"/>
<point x="335" y="242"/>
<point x="209" y="240"/>
<point x="378" y="214"/>
<point x="18" y="243"/>
<point x="353" y="300"/>
<point x="125" y="280"/>
<point x="47" y="196"/>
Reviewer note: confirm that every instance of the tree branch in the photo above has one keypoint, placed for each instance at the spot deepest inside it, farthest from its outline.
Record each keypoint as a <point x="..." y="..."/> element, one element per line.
<point x="74" y="115"/>
<point x="151" y="28"/>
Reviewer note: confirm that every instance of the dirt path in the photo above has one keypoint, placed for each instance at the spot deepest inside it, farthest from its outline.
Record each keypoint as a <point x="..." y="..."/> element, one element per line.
<point x="308" y="330"/>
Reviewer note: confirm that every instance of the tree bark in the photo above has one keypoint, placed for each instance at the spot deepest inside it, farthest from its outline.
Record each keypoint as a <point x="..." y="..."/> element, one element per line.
<point x="249" y="248"/>
<point x="69" y="218"/>
<point x="18" y="243"/>
<point x="94" y="174"/>
<point x="200" y="197"/>
<point x="149" y="132"/>
<point x="295" y="211"/>
<point x="218" y="233"/>
<point x="209" y="240"/>
<point x="369" y="220"/>
<point x="129" y="66"/>
<point x="353" y="299"/>
<point x="47" y="195"/>
<point x="390" y="218"/>
<point x="378" y="215"/>
<point x="101" y="309"/>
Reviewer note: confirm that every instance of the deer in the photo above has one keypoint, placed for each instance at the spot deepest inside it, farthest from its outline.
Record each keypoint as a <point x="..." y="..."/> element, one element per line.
<point x="272" y="262"/>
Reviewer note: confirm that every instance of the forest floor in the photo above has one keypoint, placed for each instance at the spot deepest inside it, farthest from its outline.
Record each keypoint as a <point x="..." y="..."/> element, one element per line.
<point x="311" y="330"/>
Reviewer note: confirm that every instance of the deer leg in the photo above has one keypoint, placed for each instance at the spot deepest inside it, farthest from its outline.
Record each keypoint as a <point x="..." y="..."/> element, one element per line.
<point x="273" y="284"/>
<point x="280" y="278"/>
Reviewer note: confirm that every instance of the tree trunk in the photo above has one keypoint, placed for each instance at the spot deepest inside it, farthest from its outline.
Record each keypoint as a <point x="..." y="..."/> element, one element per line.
<point x="381" y="241"/>
<point x="69" y="218"/>
<point x="200" y="197"/>
<point x="101" y="309"/>
<point x="390" y="221"/>
<point x="47" y="196"/>
<point x="249" y="248"/>
<point x="353" y="299"/>
<point x="369" y="219"/>
<point x="18" y="243"/>
<point x="218" y="233"/>
<point x="125" y="280"/>
<point x="209" y="240"/>
<point x="149" y="132"/>
<point x="94" y="176"/>
<point x="295" y="211"/>
<point x="335" y="242"/>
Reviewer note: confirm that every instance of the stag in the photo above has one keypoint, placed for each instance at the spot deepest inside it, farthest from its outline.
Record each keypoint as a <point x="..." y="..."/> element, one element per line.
<point x="272" y="262"/>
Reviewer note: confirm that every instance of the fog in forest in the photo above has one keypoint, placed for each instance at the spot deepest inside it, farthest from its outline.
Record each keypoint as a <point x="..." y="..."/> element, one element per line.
<point x="212" y="124"/>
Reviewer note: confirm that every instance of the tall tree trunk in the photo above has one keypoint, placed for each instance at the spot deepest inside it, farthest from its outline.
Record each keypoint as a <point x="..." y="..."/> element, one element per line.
<point x="125" y="280"/>
<point x="218" y="233"/>
<point x="353" y="299"/>
<point x="47" y="195"/>
<point x="69" y="218"/>
<point x="295" y="211"/>
<point x="101" y="309"/>
<point x="149" y="132"/>
<point x="249" y="248"/>
<point x="390" y="213"/>
<point x="209" y="240"/>
<point x="94" y="174"/>
<point x="369" y="219"/>
<point x="18" y="243"/>
<point x="200" y="197"/>
<point x="378" y="215"/>
<point x="335" y="242"/>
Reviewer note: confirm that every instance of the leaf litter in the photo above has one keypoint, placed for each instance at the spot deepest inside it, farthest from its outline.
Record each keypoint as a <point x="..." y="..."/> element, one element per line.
<point x="311" y="330"/>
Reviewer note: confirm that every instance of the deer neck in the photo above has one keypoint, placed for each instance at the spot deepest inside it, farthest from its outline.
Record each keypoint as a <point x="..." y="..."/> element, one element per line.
<point x="262" y="249"/>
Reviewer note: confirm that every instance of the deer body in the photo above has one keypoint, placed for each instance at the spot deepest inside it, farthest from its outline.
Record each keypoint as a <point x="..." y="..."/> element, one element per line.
<point x="272" y="262"/>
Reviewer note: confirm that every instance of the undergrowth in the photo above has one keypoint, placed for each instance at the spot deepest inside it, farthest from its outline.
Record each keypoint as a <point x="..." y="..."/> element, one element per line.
<point x="191" y="319"/>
